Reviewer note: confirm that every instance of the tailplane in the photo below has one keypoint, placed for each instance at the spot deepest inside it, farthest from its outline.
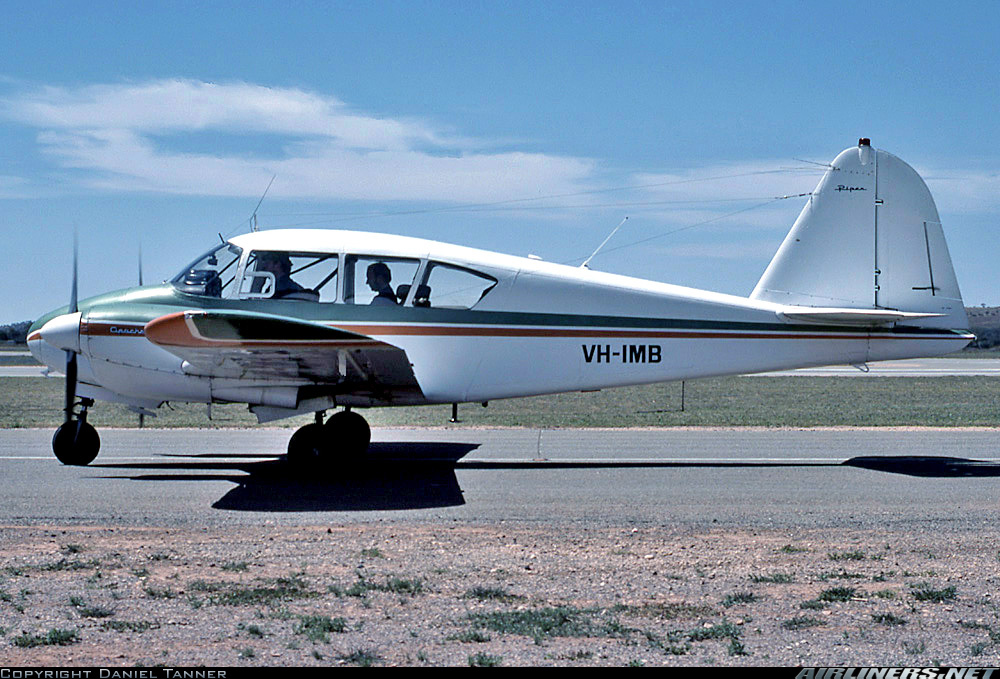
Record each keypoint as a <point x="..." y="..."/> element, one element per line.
<point x="869" y="239"/>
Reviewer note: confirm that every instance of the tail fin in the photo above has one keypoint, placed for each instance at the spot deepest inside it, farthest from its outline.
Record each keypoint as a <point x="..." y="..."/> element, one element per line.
<point x="869" y="238"/>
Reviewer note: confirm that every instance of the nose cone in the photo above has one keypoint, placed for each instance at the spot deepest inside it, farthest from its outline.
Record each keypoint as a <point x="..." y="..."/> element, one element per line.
<point x="62" y="332"/>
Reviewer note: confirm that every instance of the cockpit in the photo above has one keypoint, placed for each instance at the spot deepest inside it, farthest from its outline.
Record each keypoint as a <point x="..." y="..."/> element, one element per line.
<point x="212" y="274"/>
<point x="228" y="272"/>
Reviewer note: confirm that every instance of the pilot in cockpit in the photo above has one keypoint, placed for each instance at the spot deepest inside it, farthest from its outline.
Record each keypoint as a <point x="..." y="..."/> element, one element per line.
<point x="280" y="265"/>
<point x="379" y="278"/>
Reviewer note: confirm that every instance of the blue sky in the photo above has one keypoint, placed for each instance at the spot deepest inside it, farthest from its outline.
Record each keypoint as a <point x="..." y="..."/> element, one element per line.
<point x="521" y="127"/>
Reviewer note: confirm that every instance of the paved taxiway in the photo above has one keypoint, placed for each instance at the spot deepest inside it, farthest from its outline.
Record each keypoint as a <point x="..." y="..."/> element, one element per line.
<point x="911" y="367"/>
<point x="22" y="371"/>
<point x="902" y="479"/>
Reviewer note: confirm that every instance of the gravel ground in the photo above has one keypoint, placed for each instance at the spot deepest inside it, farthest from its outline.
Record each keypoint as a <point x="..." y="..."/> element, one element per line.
<point x="511" y="594"/>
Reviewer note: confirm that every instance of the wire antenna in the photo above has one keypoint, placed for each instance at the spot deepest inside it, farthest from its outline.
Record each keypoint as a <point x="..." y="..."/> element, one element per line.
<point x="605" y="242"/>
<point x="812" y="162"/>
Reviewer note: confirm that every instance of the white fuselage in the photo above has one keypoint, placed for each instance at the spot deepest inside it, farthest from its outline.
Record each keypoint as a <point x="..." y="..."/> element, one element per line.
<point x="543" y="328"/>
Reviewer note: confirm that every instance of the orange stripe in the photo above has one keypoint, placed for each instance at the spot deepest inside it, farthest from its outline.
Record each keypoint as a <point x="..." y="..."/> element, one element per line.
<point x="102" y="329"/>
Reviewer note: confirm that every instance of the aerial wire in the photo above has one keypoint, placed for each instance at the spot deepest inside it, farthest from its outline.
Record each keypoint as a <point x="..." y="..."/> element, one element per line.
<point x="341" y="217"/>
<point x="691" y="226"/>
<point x="511" y="204"/>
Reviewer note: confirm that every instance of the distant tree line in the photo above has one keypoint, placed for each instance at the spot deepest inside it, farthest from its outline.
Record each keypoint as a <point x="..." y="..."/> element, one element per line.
<point x="985" y="323"/>
<point x="15" y="332"/>
<point x="988" y="339"/>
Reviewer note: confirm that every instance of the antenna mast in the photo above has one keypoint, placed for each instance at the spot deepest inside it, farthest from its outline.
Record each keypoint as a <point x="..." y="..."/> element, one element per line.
<point x="253" y="217"/>
<point x="613" y="232"/>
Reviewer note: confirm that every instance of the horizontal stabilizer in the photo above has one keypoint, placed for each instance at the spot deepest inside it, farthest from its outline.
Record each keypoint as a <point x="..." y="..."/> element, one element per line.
<point x="851" y="317"/>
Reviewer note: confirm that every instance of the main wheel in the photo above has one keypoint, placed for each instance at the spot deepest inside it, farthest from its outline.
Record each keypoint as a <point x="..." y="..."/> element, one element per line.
<point x="348" y="433"/>
<point x="308" y="446"/>
<point x="76" y="443"/>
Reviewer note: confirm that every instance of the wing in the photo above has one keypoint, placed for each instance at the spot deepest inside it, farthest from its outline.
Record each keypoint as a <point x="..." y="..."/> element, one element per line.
<point x="255" y="346"/>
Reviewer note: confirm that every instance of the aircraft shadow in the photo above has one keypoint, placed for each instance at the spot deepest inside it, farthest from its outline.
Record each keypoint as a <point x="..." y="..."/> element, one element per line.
<point x="417" y="475"/>
<point x="927" y="466"/>
<point x="395" y="476"/>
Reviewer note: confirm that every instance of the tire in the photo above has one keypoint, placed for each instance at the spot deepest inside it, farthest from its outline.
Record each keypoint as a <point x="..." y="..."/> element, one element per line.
<point x="307" y="448"/>
<point x="348" y="433"/>
<point x="76" y="443"/>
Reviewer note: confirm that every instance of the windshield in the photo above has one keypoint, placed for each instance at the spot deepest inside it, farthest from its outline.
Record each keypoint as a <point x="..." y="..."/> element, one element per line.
<point x="212" y="274"/>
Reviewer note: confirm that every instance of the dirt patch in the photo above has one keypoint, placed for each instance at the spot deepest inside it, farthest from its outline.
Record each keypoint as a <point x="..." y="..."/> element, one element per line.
<point x="405" y="594"/>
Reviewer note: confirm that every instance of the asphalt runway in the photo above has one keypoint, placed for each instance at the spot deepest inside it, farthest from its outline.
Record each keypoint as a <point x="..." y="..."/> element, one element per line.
<point x="905" y="479"/>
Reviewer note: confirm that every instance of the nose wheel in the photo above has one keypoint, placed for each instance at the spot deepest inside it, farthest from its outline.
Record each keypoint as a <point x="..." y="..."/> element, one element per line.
<point x="342" y="440"/>
<point x="76" y="441"/>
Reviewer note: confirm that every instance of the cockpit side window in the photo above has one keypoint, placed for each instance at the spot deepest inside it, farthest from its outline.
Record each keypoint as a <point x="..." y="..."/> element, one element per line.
<point x="212" y="274"/>
<point x="378" y="281"/>
<point x="452" y="287"/>
<point x="304" y="276"/>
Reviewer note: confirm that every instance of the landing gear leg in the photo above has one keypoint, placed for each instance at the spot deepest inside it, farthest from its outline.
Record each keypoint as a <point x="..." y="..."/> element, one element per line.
<point x="76" y="442"/>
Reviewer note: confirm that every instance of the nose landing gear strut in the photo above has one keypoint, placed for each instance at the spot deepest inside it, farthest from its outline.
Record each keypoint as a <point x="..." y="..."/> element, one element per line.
<point x="76" y="441"/>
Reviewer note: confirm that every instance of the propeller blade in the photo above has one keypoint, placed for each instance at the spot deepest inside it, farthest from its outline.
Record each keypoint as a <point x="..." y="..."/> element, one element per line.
<point x="140" y="264"/>
<point x="71" y="356"/>
<point x="72" y="295"/>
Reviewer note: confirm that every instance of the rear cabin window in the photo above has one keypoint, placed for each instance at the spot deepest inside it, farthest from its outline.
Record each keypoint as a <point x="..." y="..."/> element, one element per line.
<point x="303" y="276"/>
<point x="452" y="287"/>
<point x="378" y="281"/>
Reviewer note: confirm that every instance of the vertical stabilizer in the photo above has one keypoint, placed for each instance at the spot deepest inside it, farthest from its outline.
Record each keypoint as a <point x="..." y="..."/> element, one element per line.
<point x="869" y="238"/>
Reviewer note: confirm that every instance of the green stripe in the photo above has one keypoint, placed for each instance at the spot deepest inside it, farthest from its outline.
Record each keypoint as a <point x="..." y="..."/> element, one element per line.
<point x="232" y="326"/>
<point x="143" y="305"/>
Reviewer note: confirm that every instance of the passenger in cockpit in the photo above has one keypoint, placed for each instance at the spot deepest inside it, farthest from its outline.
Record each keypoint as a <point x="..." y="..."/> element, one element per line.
<point x="379" y="278"/>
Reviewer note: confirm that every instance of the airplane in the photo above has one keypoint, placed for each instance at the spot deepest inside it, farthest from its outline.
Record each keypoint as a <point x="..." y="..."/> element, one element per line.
<point x="304" y="321"/>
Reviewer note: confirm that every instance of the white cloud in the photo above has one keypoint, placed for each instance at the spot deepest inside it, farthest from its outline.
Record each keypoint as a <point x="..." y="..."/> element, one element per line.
<point x="162" y="136"/>
<point x="166" y="106"/>
<point x="964" y="191"/>
<point x="119" y="137"/>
